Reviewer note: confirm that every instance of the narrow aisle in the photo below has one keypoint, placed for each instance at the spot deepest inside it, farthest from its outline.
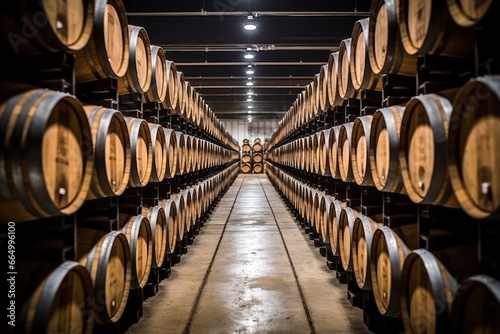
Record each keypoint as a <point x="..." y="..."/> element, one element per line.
<point x="250" y="270"/>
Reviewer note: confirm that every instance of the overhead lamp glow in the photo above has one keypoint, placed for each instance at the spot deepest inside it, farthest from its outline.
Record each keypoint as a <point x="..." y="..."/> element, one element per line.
<point x="249" y="107"/>
<point x="249" y="93"/>
<point x="249" y="71"/>
<point x="249" y="99"/>
<point x="249" y="56"/>
<point x="249" y="83"/>
<point x="249" y="119"/>
<point x="249" y="24"/>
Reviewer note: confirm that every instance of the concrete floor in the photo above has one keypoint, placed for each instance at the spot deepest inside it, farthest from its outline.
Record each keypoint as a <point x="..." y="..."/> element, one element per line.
<point x="250" y="270"/>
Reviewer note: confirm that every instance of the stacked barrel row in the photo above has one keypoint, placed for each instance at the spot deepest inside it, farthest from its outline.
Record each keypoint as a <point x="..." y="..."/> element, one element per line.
<point x="252" y="156"/>
<point x="110" y="264"/>
<point x="431" y="291"/>
<point x="435" y="149"/>
<point x="79" y="151"/>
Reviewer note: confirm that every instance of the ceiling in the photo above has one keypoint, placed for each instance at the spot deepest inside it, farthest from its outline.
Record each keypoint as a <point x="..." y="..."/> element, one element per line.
<point x="207" y="42"/>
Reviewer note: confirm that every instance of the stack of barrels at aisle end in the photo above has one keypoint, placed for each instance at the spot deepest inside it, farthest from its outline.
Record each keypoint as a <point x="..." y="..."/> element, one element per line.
<point x="252" y="156"/>
<point x="388" y="157"/>
<point x="99" y="132"/>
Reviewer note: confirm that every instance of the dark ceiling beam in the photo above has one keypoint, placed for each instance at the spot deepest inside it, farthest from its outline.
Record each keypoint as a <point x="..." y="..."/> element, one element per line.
<point x="254" y="13"/>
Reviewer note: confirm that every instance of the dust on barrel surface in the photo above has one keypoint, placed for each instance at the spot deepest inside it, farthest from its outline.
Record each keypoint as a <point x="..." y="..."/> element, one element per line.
<point x="111" y="143"/>
<point x="47" y="156"/>
<point x="384" y="149"/>
<point x="473" y="156"/>
<point x="46" y="26"/>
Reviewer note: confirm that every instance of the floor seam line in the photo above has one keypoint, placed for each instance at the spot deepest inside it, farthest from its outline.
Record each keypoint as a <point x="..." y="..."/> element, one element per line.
<point x="301" y="293"/>
<point x="187" y="329"/>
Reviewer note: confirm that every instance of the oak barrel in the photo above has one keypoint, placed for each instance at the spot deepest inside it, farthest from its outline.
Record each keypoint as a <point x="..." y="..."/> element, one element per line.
<point x="362" y="75"/>
<point x="473" y="156"/>
<point x="106" y="54"/>
<point x="174" y="92"/>
<point x="430" y="282"/>
<point x="332" y="225"/>
<point x="246" y="167"/>
<point x="384" y="149"/>
<point x="181" y="152"/>
<point x="257" y="167"/>
<point x="333" y="74"/>
<point x="158" y="224"/>
<point x="181" y="100"/>
<point x="46" y="161"/>
<point x="324" y="101"/>
<point x="333" y="155"/>
<point x="346" y="225"/>
<point x="158" y="89"/>
<point x="426" y="27"/>
<point x="477" y="305"/>
<point x="159" y="152"/>
<point x="468" y="13"/>
<point x="36" y="27"/>
<point x="257" y="157"/>
<point x="362" y="235"/>
<point x="344" y="81"/>
<point x="141" y="151"/>
<point x="137" y="79"/>
<point x="171" y="145"/>
<point x="422" y="150"/>
<point x="344" y="152"/>
<point x="385" y="49"/>
<point x="61" y="303"/>
<point x="181" y="214"/>
<point x="390" y="247"/>
<point x="170" y="210"/>
<point x="111" y="143"/>
<point x="360" y="144"/>
<point x="106" y="255"/>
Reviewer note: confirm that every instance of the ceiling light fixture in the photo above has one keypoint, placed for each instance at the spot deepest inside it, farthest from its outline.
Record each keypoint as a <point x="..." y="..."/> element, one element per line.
<point x="249" y="107"/>
<point x="249" y="99"/>
<point x="249" y="56"/>
<point x="250" y="71"/>
<point x="249" y="93"/>
<point x="249" y="119"/>
<point x="249" y="83"/>
<point x="249" y="24"/>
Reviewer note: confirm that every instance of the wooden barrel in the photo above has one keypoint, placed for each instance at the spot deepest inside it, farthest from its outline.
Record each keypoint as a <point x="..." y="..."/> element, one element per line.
<point x="159" y="152"/>
<point x="46" y="161"/>
<point x="196" y="201"/>
<point x="360" y="144"/>
<point x="158" y="89"/>
<point x="362" y="234"/>
<point x="385" y="49"/>
<point x="324" y="101"/>
<point x="181" y="152"/>
<point x="106" y="255"/>
<point x="174" y="91"/>
<point x="427" y="292"/>
<point x="246" y="147"/>
<point x="313" y="153"/>
<point x="141" y="152"/>
<point x="362" y="75"/>
<point x="332" y="225"/>
<point x="171" y="145"/>
<point x="323" y="216"/>
<point x="468" y="13"/>
<point x="344" y="152"/>
<point x="323" y="152"/>
<point x="384" y="149"/>
<point x="257" y="167"/>
<point x="477" y="305"/>
<point x="170" y="210"/>
<point x="390" y="247"/>
<point x="346" y="225"/>
<point x="137" y="79"/>
<point x="315" y="104"/>
<point x="189" y="153"/>
<point x="333" y="74"/>
<point x="181" y="215"/>
<point x="66" y="26"/>
<point x="426" y="27"/>
<point x="344" y="81"/>
<point x="158" y="224"/>
<point x="111" y="145"/>
<point x="137" y="229"/>
<point x="61" y="303"/>
<point x="423" y="148"/>
<point x="185" y="195"/>
<point x="106" y="54"/>
<point x="181" y="99"/>
<point x="257" y="157"/>
<point x="333" y="148"/>
<point x="257" y="147"/>
<point x="472" y="152"/>
<point x="191" y="95"/>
